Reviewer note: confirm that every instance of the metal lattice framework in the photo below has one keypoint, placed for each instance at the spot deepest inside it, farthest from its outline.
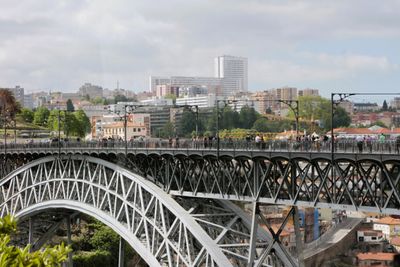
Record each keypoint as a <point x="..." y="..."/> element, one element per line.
<point x="365" y="184"/>
<point x="154" y="224"/>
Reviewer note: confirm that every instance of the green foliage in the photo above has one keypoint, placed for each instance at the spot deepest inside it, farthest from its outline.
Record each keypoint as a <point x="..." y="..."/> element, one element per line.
<point x="261" y="125"/>
<point x="380" y="124"/>
<point x="231" y="119"/>
<point x="171" y="96"/>
<point x="15" y="256"/>
<point x="92" y="259"/>
<point x="9" y="107"/>
<point x="313" y="108"/>
<point x="70" y="106"/>
<point x="341" y="118"/>
<point x="105" y="239"/>
<point x="168" y="130"/>
<point x="52" y="120"/>
<point x="41" y="116"/>
<point x="99" y="101"/>
<point x="26" y="115"/>
<point x="384" y="106"/>
<point x="76" y="123"/>
<point x="247" y="117"/>
<point x="187" y="124"/>
<point x="81" y="123"/>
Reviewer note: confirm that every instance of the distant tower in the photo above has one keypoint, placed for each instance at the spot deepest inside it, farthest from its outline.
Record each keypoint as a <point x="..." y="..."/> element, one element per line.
<point x="233" y="71"/>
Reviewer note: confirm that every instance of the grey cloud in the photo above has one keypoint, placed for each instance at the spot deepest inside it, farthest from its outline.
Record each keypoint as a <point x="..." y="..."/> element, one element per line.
<point x="61" y="44"/>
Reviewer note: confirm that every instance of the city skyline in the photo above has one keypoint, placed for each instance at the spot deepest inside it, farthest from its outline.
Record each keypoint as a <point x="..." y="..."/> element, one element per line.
<point x="333" y="47"/>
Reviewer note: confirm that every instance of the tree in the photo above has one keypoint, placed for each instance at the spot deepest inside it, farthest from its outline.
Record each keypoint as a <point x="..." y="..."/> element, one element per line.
<point x="15" y="256"/>
<point x="384" y="106"/>
<point x="341" y="118"/>
<point x="70" y="106"/>
<point x="8" y="106"/>
<point x="313" y="108"/>
<point x="120" y="98"/>
<point x="41" y="116"/>
<point x="168" y="130"/>
<point x="188" y="123"/>
<point x="171" y="96"/>
<point x="380" y="124"/>
<point x="261" y="125"/>
<point x="52" y="120"/>
<point x="247" y="117"/>
<point x="26" y="115"/>
<point x="82" y="123"/>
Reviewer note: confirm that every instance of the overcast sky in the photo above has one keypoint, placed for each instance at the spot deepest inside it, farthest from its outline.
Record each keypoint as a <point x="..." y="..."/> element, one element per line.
<point x="329" y="45"/>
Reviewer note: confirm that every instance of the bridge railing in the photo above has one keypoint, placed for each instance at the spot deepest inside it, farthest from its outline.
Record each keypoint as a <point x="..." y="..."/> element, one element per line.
<point x="341" y="146"/>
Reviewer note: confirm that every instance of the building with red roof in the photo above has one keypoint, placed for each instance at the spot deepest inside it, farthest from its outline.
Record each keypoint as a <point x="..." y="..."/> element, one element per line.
<point x="375" y="259"/>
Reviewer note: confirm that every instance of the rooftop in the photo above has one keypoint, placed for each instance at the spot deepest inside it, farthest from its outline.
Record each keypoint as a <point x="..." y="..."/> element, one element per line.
<point x="379" y="256"/>
<point x="395" y="241"/>
<point x="389" y="221"/>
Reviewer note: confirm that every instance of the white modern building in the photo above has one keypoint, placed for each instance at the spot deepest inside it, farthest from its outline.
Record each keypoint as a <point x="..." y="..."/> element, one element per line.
<point x="203" y="101"/>
<point x="213" y="85"/>
<point x="231" y="77"/>
<point x="157" y="80"/>
<point x="234" y="72"/>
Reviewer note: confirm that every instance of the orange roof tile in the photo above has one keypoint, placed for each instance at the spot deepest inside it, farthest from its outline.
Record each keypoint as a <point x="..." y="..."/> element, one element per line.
<point x="365" y="131"/>
<point x="389" y="221"/>
<point x="379" y="256"/>
<point x="395" y="241"/>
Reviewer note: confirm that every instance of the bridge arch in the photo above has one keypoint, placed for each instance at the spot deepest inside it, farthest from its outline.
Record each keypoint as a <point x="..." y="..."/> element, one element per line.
<point x="153" y="223"/>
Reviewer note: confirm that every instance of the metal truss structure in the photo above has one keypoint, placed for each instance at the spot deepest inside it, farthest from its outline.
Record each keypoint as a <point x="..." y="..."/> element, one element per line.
<point x="175" y="208"/>
<point x="155" y="225"/>
<point x="345" y="183"/>
<point x="163" y="230"/>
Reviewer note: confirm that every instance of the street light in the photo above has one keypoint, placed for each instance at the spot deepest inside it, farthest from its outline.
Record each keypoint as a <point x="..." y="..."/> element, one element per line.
<point x="132" y="108"/>
<point x="226" y="102"/>
<point x="334" y="105"/>
<point x="336" y="102"/>
<point x="59" y="132"/>
<point x="292" y="104"/>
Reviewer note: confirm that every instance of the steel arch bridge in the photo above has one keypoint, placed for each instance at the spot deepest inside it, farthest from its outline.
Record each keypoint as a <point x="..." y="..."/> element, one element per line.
<point x="162" y="229"/>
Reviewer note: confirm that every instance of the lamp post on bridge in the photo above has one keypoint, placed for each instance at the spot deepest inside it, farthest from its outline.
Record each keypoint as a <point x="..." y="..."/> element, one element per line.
<point x="336" y="102"/>
<point x="293" y="104"/>
<point x="226" y="102"/>
<point x="132" y="107"/>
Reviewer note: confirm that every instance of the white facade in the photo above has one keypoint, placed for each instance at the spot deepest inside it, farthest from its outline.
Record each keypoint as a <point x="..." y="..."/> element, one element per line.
<point x="157" y="80"/>
<point x="369" y="236"/>
<point x="384" y="228"/>
<point x="157" y="102"/>
<point x="234" y="72"/>
<point x="203" y="101"/>
<point x="213" y="85"/>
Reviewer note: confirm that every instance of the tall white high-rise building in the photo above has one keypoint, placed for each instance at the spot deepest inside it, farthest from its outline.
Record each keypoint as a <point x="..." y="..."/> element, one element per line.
<point x="233" y="71"/>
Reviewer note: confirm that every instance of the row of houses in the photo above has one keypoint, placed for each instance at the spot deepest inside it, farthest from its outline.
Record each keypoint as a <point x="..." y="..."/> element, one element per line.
<point x="384" y="241"/>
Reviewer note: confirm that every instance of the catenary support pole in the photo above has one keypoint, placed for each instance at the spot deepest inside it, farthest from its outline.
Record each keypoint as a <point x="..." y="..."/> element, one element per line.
<point x="68" y="221"/>
<point x="121" y="252"/>
<point x="253" y="234"/>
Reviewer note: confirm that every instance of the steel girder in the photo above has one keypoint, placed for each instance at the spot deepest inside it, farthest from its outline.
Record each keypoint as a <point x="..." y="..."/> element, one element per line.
<point x="365" y="185"/>
<point x="155" y="225"/>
